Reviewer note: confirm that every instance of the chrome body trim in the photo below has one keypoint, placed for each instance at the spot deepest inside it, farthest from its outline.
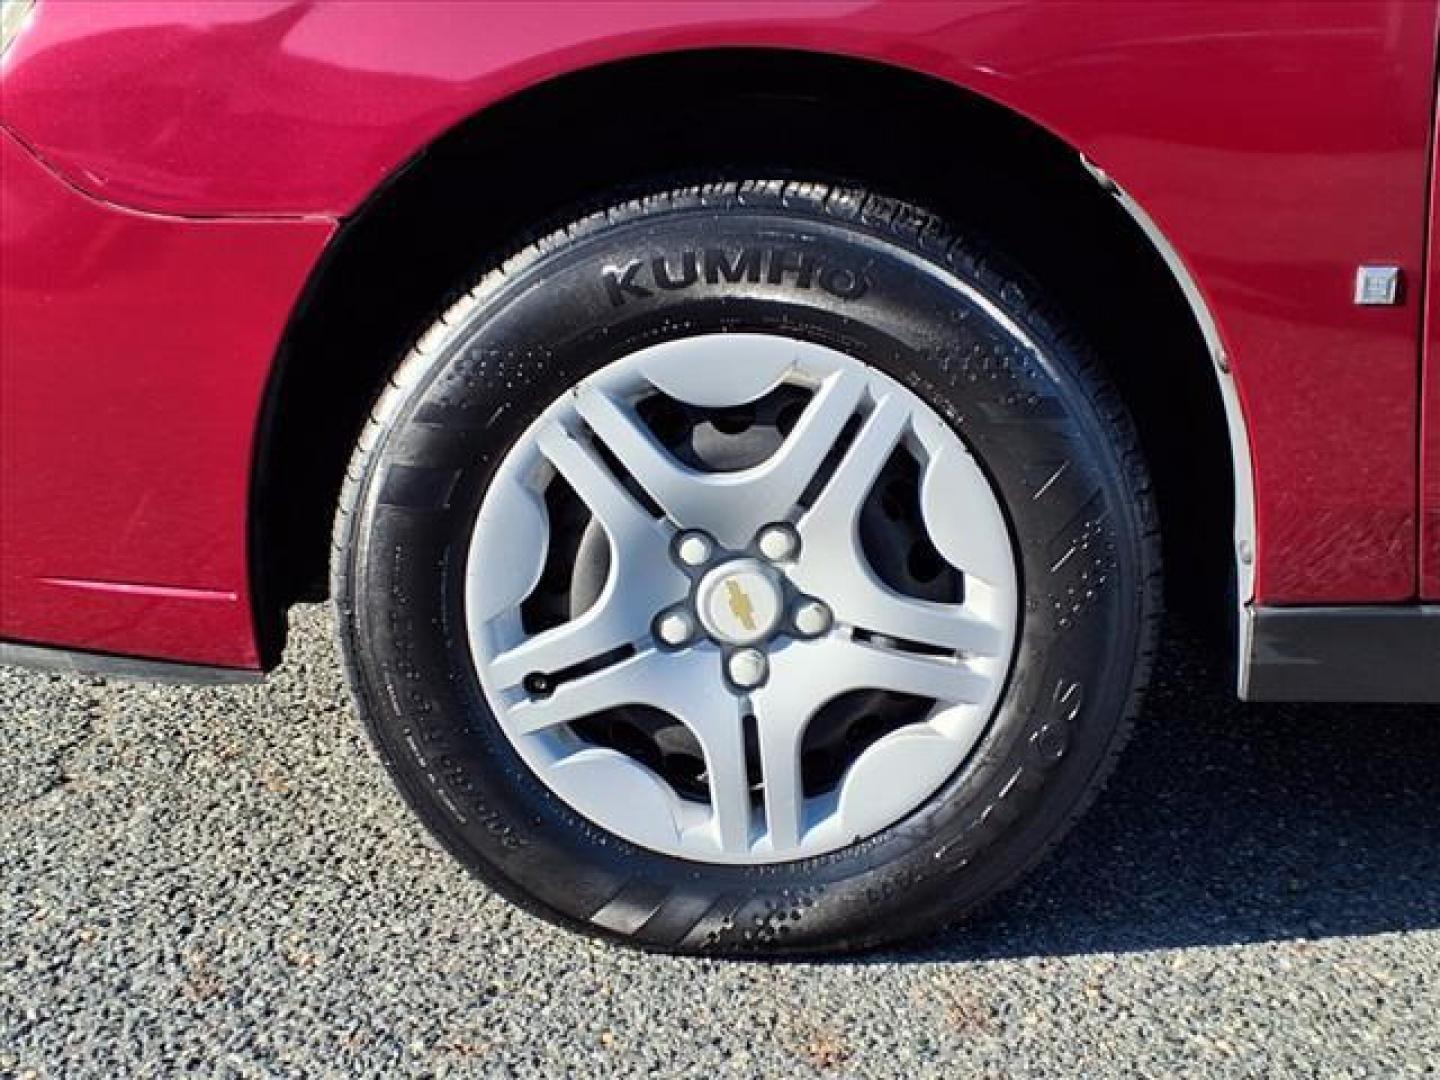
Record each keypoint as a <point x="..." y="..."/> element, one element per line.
<point x="1243" y="480"/>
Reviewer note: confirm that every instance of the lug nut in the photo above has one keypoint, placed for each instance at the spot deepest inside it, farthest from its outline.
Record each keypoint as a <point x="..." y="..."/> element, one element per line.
<point x="748" y="668"/>
<point x="694" y="548"/>
<point x="811" y="618"/>
<point x="778" y="542"/>
<point x="675" y="628"/>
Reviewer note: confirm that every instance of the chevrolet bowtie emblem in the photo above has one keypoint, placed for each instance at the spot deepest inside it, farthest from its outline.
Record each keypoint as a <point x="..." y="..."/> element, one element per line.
<point x="740" y="605"/>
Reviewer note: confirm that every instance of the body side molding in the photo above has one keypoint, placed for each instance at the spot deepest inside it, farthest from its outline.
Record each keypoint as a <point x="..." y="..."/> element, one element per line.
<point x="1371" y="654"/>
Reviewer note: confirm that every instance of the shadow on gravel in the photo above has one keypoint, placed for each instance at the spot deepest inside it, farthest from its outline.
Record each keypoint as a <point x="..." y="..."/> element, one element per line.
<point x="1228" y="823"/>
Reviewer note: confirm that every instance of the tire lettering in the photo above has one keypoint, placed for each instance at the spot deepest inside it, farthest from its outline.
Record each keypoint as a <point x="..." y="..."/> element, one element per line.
<point x="620" y="281"/>
<point x="638" y="279"/>
<point x="786" y="259"/>
<point x="746" y="265"/>
<point x="660" y="270"/>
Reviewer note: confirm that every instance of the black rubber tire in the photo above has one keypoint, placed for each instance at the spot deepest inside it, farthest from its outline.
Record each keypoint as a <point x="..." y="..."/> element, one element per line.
<point x="1054" y="439"/>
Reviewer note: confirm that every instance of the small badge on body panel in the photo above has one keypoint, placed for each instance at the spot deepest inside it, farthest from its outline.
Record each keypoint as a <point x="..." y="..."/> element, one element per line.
<point x="1377" y="286"/>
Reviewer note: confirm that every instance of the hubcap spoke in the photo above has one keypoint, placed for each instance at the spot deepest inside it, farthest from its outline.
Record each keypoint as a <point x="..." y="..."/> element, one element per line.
<point x="792" y="468"/>
<point x="687" y="686"/>
<point x="640" y="581"/>
<point x="716" y="721"/>
<point x="838" y="506"/>
<point x="633" y="681"/>
<point x="836" y="567"/>
<point x="780" y="736"/>
<point x="804" y="677"/>
<point x="602" y="630"/>
<point x="677" y="488"/>
<point x="624" y="519"/>
<point x="860" y="600"/>
<point x="730" y="506"/>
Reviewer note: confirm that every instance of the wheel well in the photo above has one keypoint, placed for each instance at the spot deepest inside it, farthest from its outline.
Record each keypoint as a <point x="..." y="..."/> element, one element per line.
<point x="528" y="163"/>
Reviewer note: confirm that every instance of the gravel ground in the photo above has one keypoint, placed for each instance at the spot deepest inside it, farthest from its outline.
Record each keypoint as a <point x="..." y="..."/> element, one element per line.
<point x="221" y="882"/>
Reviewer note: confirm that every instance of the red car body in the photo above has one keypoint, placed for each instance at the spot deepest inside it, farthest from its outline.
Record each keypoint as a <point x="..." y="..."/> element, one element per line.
<point x="174" y="173"/>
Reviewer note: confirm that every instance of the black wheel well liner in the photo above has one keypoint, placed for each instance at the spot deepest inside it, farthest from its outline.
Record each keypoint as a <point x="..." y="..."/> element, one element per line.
<point x="522" y="166"/>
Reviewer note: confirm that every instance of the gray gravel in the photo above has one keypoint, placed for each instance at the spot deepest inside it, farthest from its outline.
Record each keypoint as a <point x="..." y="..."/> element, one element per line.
<point x="221" y="882"/>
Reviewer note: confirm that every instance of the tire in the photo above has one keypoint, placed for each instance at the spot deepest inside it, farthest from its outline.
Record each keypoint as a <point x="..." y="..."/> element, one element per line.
<point x="886" y="284"/>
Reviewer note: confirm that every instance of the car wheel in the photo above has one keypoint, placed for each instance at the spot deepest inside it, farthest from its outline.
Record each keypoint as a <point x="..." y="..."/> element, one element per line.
<point x="751" y="567"/>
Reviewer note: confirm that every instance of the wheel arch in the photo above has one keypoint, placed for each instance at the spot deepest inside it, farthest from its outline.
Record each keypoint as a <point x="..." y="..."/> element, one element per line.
<point x="502" y="176"/>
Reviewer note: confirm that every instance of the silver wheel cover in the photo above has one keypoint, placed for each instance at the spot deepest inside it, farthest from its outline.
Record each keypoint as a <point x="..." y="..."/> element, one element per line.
<point x="704" y="682"/>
